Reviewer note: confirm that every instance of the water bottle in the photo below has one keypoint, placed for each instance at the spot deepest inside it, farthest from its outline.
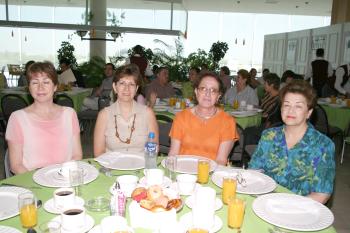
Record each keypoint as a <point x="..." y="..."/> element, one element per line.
<point x="151" y="152"/>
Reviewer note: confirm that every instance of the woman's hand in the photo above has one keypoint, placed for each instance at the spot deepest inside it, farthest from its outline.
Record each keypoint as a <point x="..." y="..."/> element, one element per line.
<point x="320" y="197"/>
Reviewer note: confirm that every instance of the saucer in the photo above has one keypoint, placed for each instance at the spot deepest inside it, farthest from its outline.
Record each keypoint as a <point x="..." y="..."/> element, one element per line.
<point x="50" y="207"/>
<point x="189" y="203"/>
<point x="87" y="226"/>
<point x="166" y="182"/>
<point x="186" y="222"/>
<point x="175" y="187"/>
<point x="97" y="229"/>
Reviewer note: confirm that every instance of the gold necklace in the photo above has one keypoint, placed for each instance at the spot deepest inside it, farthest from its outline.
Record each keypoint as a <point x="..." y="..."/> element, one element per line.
<point x="205" y="117"/>
<point x="128" y="140"/>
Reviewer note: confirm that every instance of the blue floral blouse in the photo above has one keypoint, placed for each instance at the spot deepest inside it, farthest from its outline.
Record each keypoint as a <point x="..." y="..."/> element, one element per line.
<point x="307" y="167"/>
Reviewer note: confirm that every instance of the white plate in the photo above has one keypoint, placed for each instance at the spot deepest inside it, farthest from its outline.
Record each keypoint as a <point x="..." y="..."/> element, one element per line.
<point x="166" y="182"/>
<point x="293" y="212"/>
<point x="90" y="222"/>
<point x="50" y="207"/>
<point x="161" y="108"/>
<point x="336" y="105"/>
<point x="189" y="203"/>
<point x="244" y="113"/>
<point x="186" y="222"/>
<point x="6" y="229"/>
<point x="174" y="110"/>
<point x="97" y="229"/>
<point x="174" y="186"/>
<point x="49" y="176"/>
<point x="188" y="164"/>
<point x="9" y="201"/>
<point x="256" y="182"/>
<point x="119" y="161"/>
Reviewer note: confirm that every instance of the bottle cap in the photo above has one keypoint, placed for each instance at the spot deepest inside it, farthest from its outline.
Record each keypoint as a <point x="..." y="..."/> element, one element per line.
<point x="151" y="135"/>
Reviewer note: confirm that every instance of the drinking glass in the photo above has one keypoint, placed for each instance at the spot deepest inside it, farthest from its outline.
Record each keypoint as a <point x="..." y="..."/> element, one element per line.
<point x="27" y="209"/>
<point x="229" y="186"/>
<point x="197" y="230"/>
<point x="203" y="171"/>
<point x="235" y="104"/>
<point x="235" y="214"/>
<point x="170" y="164"/>
<point x="76" y="179"/>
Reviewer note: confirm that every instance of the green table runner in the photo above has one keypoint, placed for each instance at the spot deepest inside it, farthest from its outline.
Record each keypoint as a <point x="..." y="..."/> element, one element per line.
<point x="100" y="187"/>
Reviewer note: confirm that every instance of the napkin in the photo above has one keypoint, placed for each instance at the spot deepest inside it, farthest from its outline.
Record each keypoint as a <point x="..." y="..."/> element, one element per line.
<point x="140" y="217"/>
<point x="107" y="158"/>
<point x="203" y="209"/>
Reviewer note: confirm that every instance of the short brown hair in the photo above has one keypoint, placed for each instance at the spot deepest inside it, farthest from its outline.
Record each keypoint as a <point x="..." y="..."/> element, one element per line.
<point x="203" y="75"/>
<point x="244" y="74"/>
<point x="300" y="87"/>
<point x="128" y="70"/>
<point x="45" y="67"/>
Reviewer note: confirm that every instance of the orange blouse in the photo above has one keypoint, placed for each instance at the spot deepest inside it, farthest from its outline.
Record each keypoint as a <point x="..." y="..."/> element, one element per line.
<point x="203" y="138"/>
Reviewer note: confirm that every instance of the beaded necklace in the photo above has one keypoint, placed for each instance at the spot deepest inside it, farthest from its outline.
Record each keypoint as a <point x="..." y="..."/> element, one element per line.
<point x="128" y="140"/>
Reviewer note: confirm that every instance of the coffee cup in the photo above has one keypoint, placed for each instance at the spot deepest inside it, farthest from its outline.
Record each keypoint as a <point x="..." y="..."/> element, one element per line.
<point x="127" y="183"/>
<point x="114" y="224"/>
<point x="73" y="218"/>
<point x="243" y="103"/>
<point x="250" y="107"/>
<point x="186" y="183"/>
<point x="63" y="197"/>
<point x="70" y="165"/>
<point x="154" y="176"/>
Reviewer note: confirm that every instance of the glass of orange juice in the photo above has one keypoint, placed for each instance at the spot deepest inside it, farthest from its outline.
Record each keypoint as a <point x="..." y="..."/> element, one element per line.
<point x="197" y="230"/>
<point x="235" y="214"/>
<point x="203" y="171"/>
<point x="229" y="185"/>
<point x="27" y="210"/>
<point x="333" y="99"/>
<point x="235" y="104"/>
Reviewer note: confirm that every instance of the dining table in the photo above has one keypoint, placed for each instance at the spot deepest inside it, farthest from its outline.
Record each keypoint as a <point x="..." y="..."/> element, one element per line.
<point x="338" y="115"/>
<point x="101" y="185"/>
<point x="77" y="94"/>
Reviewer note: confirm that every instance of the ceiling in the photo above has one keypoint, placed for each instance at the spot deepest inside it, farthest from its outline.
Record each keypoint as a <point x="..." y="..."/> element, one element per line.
<point x="289" y="7"/>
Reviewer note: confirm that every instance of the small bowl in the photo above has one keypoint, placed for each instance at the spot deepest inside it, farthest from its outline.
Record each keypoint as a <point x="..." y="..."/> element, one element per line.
<point x="98" y="204"/>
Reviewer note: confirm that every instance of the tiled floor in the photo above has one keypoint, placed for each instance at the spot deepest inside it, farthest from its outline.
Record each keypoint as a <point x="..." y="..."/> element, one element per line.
<point x="341" y="201"/>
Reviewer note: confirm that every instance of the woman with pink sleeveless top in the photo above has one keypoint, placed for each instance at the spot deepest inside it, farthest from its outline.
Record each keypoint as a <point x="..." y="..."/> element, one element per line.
<point x="43" y="133"/>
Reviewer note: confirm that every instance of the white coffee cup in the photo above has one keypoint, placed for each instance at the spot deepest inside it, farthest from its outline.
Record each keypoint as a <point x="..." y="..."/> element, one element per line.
<point x="186" y="183"/>
<point x="70" y="165"/>
<point x="127" y="183"/>
<point x="243" y="103"/>
<point x="154" y="176"/>
<point x="114" y="223"/>
<point x="250" y="107"/>
<point x="63" y="197"/>
<point x="73" y="218"/>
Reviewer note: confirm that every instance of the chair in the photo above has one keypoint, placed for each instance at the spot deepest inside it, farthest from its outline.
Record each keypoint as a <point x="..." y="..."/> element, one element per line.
<point x="11" y="103"/>
<point x="178" y="91"/>
<point x="8" y="172"/>
<point x="345" y="141"/>
<point x="103" y="102"/>
<point x="64" y="100"/>
<point x="87" y="119"/>
<point x="237" y="152"/>
<point x="164" y="123"/>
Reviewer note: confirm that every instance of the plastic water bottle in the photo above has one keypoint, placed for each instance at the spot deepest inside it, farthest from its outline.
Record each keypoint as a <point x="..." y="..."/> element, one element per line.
<point x="151" y="152"/>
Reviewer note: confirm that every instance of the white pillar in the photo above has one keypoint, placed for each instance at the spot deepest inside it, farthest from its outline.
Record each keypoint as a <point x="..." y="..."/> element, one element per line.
<point x="99" y="10"/>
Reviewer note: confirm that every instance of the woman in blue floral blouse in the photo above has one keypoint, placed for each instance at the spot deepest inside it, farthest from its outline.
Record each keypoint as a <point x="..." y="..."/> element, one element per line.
<point x="296" y="155"/>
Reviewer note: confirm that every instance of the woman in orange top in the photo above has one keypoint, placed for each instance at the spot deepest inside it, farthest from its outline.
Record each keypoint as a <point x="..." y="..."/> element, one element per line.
<point x="204" y="130"/>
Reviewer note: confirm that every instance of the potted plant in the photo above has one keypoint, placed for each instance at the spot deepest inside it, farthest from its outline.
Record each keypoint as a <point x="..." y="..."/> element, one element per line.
<point x="67" y="51"/>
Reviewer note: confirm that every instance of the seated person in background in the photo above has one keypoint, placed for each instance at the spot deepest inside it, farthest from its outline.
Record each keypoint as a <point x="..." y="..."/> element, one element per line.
<point x="104" y="90"/>
<point x="254" y="83"/>
<point x="296" y="155"/>
<point x="287" y="77"/>
<point x="187" y="87"/>
<point x="204" y="130"/>
<point x="124" y="126"/>
<point x="22" y="81"/>
<point x="160" y="87"/>
<point x="66" y="76"/>
<point x="138" y="58"/>
<point x="43" y="133"/>
<point x="3" y="81"/>
<point x="225" y="77"/>
<point x="241" y="91"/>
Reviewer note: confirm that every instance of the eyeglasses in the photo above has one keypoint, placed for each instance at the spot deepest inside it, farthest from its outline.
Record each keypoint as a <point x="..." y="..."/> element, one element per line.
<point x="126" y="84"/>
<point x="204" y="90"/>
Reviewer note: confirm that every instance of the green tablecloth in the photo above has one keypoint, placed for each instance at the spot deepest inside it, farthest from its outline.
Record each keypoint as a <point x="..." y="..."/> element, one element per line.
<point x="251" y="224"/>
<point x="339" y="117"/>
<point x="77" y="95"/>
<point x="244" y="122"/>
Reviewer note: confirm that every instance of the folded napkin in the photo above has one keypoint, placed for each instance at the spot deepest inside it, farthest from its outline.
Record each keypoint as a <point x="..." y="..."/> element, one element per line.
<point x="107" y="158"/>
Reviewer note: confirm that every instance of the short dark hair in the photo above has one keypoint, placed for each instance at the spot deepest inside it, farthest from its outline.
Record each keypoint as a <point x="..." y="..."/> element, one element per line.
<point x="27" y="66"/>
<point x="272" y="78"/>
<point x="138" y="49"/>
<point x="244" y="74"/>
<point x="128" y="70"/>
<point x="320" y="52"/>
<point x="213" y="75"/>
<point x="45" y="67"/>
<point x="300" y="87"/>
<point x="162" y="68"/>
<point x="65" y="61"/>
<point x="196" y="69"/>
<point x="286" y="74"/>
<point x="110" y="64"/>
<point x="226" y="70"/>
